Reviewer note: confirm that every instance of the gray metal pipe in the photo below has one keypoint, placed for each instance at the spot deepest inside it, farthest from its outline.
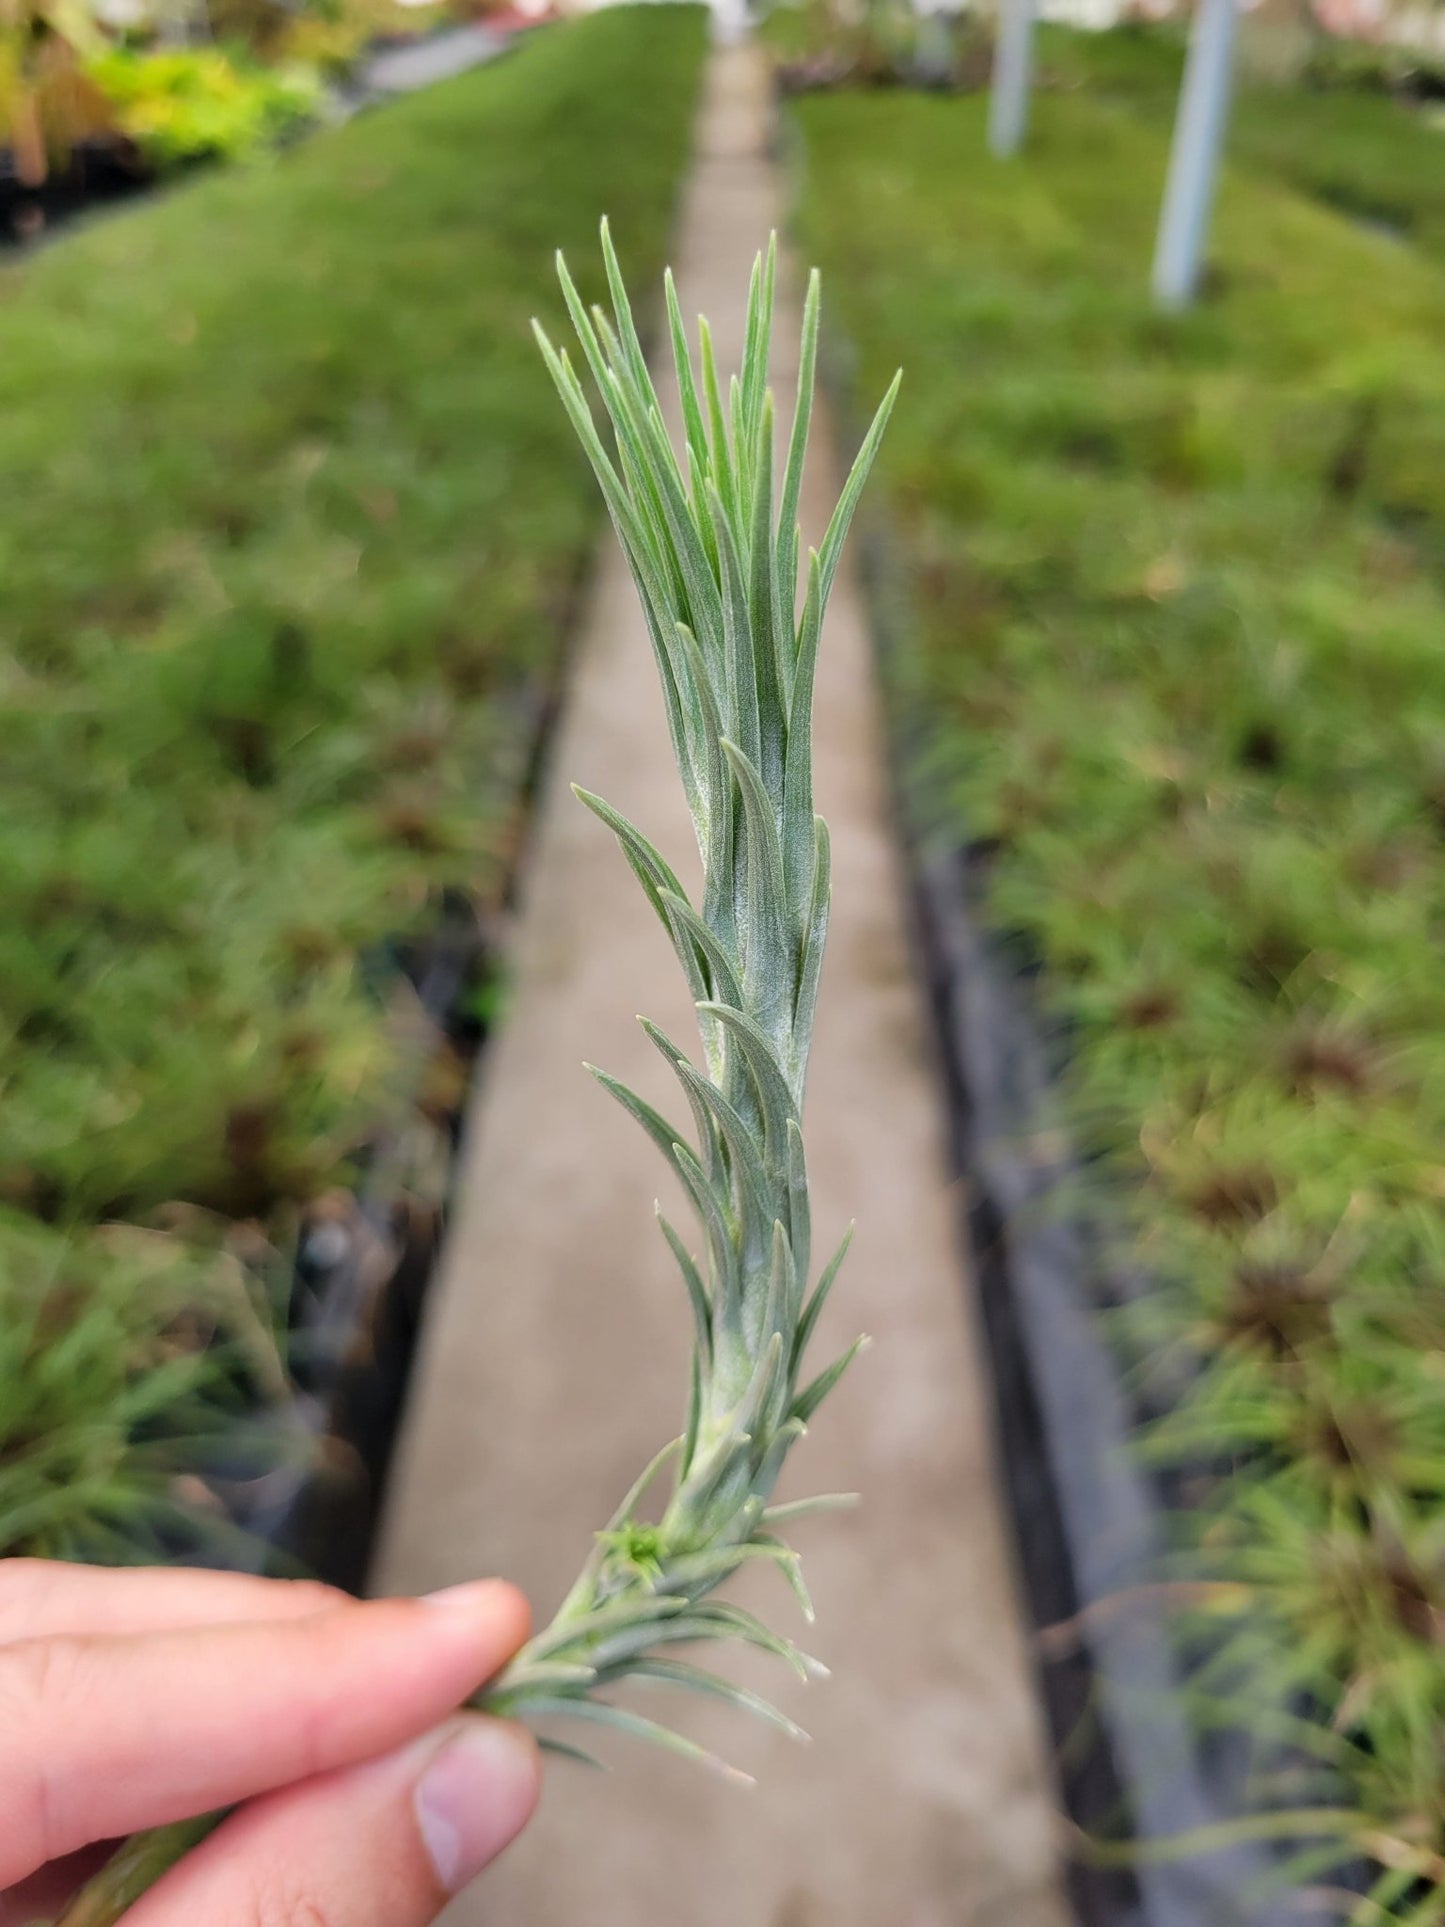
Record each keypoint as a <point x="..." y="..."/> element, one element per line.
<point x="1013" y="63"/>
<point x="1194" y="155"/>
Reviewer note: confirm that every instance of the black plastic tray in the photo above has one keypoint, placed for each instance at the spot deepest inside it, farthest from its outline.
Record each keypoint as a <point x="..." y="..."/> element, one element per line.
<point x="358" y="1291"/>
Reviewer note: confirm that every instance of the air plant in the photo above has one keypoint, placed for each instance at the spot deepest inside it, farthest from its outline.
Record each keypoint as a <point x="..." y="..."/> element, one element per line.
<point x="715" y="556"/>
<point x="714" y="548"/>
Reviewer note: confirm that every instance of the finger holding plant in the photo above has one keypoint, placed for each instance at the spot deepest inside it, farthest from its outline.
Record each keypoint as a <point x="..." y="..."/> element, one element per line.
<point x="714" y="547"/>
<point x="328" y="1722"/>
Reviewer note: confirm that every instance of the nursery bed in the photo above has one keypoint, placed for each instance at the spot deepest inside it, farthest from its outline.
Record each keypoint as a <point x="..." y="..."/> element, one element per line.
<point x="1090" y="1526"/>
<point x="1160" y="626"/>
<point x="293" y="536"/>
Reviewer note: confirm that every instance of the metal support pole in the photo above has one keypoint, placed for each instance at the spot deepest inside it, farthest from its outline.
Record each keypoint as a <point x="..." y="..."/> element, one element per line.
<point x="1013" y="62"/>
<point x="1194" y="157"/>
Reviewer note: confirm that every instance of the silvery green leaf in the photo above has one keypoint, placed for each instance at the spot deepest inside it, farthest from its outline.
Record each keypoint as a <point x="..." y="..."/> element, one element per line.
<point x="696" y="1289"/>
<point x="622" y="308"/>
<point x="740" y="709"/>
<point x="812" y="1396"/>
<point x="603" y="1713"/>
<point x="837" y="532"/>
<point x="782" y="1288"/>
<point x="576" y="1632"/>
<point x="724" y="1560"/>
<point x="791" y="1568"/>
<point x="550" y="1675"/>
<point x="725" y="986"/>
<point x="815" y="937"/>
<point x="792" y="489"/>
<point x="694" y="426"/>
<point x="663" y="1134"/>
<point x="798" y="818"/>
<point x="565" y="1750"/>
<point x="772" y="663"/>
<point x="717" y="427"/>
<point x="677" y="1672"/>
<point x="771" y="1086"/>
<point x="819" y="1298"/>
<point x="652" y="872"/>
<point x="777" y="1515"/>
<point x="736" y="1622"/>
<point x="800" y="1218"/>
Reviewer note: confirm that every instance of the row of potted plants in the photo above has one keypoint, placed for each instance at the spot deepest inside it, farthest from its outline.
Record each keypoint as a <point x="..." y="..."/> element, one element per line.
<point x="1167" y="668"/>
<point x="99" y="98"/>
<point x="292" y="531"/>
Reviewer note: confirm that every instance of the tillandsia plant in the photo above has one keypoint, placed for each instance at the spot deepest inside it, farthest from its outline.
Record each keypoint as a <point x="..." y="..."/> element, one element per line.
<point x="714" y="546"/>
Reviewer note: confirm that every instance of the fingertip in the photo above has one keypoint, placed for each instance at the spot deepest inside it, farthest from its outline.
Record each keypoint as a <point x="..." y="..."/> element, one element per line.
<point x="391" y="1839"/>
<point x="494" y="1603"/>
<point x="475" y="1795"/>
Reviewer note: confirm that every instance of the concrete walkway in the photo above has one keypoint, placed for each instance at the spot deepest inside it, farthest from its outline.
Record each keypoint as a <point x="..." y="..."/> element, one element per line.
<point x="555" y="1357"/>
<point x="406" y="69"/>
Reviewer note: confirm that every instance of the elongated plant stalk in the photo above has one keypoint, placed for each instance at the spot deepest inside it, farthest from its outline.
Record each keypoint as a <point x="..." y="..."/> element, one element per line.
<point x="714" y="546"/>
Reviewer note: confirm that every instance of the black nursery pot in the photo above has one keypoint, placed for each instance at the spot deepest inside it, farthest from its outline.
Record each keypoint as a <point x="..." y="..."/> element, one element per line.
<point x="1088" y="1524"/>
<point x="365" y="1263"/>
<point x="98" y="174"/>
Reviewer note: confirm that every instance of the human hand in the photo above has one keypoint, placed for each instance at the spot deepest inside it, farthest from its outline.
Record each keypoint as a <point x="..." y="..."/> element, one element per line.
<point x="130" y="1699"/>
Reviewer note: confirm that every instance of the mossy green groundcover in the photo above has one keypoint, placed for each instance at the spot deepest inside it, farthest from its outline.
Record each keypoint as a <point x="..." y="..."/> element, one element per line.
<point x="1176" y="606"/>
<point x="291" y="526"/>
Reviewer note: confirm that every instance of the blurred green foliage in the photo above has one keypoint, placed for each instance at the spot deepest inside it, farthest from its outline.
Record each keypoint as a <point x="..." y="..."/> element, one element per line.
<point x="179" y="83"/>
<point x="291" y="535"/>
<point x="1175" y="598"/>
<point x="198" y="103"/>
<point x="130" y="1364"/>
<point x="875" y="43"/>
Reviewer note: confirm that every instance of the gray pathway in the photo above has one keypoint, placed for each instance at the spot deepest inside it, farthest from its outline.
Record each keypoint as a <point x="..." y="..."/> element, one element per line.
<point x="402" y="70"/>
<point x="555" y="1356"/>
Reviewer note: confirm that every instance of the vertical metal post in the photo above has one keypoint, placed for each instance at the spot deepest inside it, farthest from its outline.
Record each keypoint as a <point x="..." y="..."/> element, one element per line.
<point x="1194" y="156"/>
<point x="1013" y="62"/>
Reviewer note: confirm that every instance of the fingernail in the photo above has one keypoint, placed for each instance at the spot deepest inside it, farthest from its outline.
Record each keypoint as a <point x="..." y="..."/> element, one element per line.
<point x="464" y="1598"/>
<point x="475" y="1795"/>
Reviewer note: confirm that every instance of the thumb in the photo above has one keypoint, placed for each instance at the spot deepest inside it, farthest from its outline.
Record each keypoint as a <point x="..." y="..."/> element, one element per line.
<point x="381" y="1845"/>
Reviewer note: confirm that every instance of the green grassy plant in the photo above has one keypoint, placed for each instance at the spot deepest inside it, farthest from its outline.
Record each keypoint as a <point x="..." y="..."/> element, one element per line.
<point x="290" y="525"/>
<point x="199" y="103"/>
<point x="122" y="1368"/>
<point x="1175" y="593"/>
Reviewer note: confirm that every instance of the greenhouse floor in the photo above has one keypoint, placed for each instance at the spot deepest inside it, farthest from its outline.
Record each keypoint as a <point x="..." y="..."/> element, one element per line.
<point x="554" y="1363"/>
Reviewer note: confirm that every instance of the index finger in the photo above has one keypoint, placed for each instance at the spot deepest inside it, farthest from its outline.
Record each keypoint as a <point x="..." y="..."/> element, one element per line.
<point x="107" y="1735"/>
<point x="40" y="1597"/>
